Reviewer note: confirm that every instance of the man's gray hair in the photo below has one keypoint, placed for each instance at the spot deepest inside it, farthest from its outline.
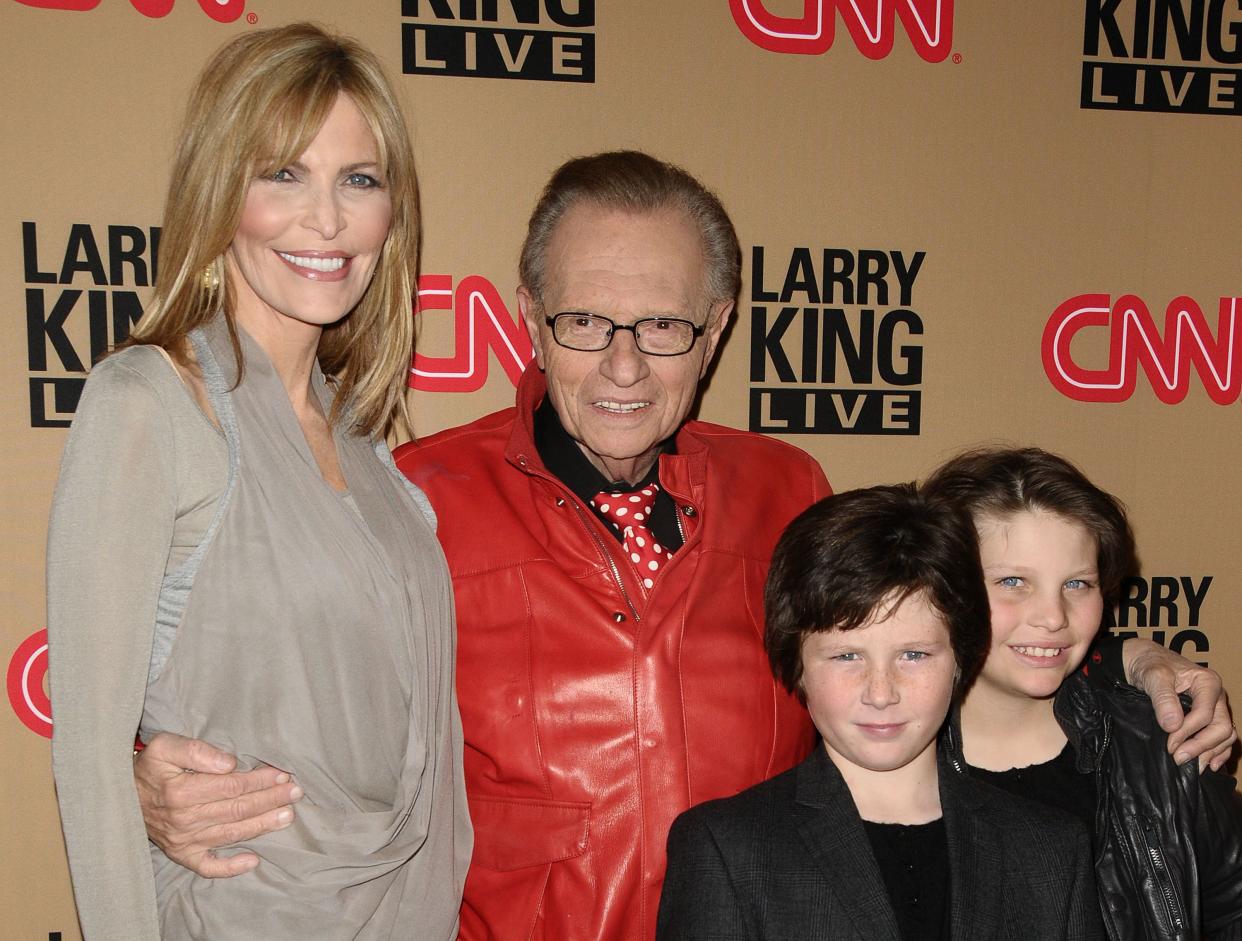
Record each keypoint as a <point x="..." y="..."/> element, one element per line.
<point x="635" y="182"/>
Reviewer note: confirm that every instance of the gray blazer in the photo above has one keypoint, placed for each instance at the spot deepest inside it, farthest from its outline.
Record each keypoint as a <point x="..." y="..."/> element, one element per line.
<point x="789" y="860"/>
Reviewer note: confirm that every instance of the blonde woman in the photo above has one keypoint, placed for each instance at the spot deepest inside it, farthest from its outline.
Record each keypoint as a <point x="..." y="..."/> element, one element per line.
<point x="232" y="556"/>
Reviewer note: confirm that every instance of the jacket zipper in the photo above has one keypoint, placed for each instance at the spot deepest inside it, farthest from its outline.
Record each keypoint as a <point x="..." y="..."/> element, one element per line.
<point x="952" y="748"/>
<point x="612" y="563"/>
<point x="1161" y="873"/>
<point x="1103" y="823"/>
<point x="1155" y="857"/>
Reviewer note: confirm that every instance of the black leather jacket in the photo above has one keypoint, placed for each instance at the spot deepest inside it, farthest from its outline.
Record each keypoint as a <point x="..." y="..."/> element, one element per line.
<point x="1168" y="840"/>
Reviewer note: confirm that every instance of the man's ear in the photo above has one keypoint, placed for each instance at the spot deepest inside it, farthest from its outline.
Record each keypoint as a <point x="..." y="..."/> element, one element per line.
<point x="717" y="320"/>
<point x="532" y="317"/>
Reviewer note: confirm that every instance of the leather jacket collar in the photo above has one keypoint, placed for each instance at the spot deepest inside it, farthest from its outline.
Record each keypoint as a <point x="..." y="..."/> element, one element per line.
<point x="683" y="473"/>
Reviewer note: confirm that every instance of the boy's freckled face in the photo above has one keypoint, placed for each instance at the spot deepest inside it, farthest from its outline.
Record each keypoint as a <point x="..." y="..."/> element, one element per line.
<point x="878" y="694"/>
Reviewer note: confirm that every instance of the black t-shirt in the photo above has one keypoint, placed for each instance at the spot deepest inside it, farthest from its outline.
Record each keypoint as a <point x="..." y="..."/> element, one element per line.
<point x="1056" y="783"/>
<point x="914" y="861"/>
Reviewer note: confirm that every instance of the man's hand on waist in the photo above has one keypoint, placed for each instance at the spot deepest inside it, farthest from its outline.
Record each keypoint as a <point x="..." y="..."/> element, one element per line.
<point x="194" y="803"/>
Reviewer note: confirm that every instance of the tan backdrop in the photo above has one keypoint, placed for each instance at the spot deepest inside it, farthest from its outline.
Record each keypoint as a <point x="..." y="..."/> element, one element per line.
<point x="962" y="222"/>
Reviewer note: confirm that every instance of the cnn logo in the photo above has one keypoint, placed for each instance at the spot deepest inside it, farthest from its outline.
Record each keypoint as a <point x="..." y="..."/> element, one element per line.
<point x="222" y="11"/>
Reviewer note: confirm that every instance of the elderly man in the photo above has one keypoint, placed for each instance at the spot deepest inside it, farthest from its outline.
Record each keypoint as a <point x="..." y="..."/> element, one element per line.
<point x="608" y="557"/>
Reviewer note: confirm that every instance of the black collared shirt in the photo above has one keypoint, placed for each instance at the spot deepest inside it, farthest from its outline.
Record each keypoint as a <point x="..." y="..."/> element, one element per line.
<point x="562" y="456"/>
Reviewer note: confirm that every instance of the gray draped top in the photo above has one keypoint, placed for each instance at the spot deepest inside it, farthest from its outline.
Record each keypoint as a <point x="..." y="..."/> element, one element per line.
<point x="303" y="628"/>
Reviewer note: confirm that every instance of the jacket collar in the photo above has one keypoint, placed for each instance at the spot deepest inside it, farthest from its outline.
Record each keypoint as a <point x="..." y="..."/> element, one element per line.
<point x="975" y="851"/>
<point x="520" y="450"/>
<point x="1085" y="723"/>
<point x="834" y="835"/>
<point x="829" y="825"/>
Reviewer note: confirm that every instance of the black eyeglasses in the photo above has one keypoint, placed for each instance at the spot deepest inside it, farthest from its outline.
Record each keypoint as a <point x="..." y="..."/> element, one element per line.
<point x="655" y="336"/>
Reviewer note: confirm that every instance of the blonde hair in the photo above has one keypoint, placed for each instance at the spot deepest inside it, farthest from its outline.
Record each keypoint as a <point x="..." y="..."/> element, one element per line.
<point x="257" y="105"/>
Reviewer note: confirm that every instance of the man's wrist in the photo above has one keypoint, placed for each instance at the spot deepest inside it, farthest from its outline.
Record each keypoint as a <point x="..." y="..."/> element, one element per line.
<point x="1105" y="665"/>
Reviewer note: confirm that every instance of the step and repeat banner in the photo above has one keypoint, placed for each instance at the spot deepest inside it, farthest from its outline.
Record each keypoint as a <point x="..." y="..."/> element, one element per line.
<point x="962" y="222"/>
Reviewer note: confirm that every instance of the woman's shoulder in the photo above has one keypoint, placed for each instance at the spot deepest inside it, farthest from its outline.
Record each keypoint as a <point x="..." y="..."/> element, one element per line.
<point x="136" y="378"/>
<point x="140" y="372"/>
<point x="137" y="396"/>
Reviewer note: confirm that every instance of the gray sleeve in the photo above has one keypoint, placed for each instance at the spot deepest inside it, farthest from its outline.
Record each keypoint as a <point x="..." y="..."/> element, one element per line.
<point x="416" y="494"/>
<point x="108" y="542"/>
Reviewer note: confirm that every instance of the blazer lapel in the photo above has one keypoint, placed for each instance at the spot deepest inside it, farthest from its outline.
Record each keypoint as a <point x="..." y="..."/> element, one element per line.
<point x="828" y="823"/>
<point x="976" y="858"/>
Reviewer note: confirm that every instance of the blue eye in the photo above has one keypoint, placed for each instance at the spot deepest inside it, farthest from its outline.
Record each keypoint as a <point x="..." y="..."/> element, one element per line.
<point x="281" y="176"/>
<point x="1079" y="584"/>
<point x="914" y="656"/>
<point x="846" y="657"/>
<point x="1009" y="581"/>
<point x="362" y="180"/>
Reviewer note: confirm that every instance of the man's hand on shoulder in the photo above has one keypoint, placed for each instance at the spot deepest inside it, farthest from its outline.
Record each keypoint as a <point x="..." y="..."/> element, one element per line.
<point x="194" y="803"/>
<point x="1205" y="732"/>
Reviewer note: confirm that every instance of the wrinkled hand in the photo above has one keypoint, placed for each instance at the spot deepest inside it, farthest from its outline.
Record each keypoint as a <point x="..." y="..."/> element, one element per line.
<point x="193" y="803"/>
<point x="1205" y="732"/>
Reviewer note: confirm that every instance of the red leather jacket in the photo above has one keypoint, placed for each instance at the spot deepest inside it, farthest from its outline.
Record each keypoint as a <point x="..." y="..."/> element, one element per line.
<point x="592" y="719"/>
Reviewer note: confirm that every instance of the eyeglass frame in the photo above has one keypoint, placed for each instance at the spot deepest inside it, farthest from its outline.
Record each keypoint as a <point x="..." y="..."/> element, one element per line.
<point x="696" y="331"/>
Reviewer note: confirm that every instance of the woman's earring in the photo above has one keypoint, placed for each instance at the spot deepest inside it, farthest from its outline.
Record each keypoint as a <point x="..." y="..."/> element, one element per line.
<point x="211" y="278"/>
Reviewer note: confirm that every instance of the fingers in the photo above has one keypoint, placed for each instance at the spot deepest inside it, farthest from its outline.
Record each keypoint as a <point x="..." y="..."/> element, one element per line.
<point x="1167" y="704"/>
<point x="188" y="815"/>
<point x="190" y="790"/>
<point x="203" y="757"/>
<point x="196" y="819"/>
<point x="1150" y="668"/>
<point x="1207" y="747"/>
<point x="200" y="857"/>
<point x="210" y="866"/>
<point x="190" y="837"/>
<point x="1218" y="759"/>
<point x="1207" y="725"/>
<point x="187" y="753"/>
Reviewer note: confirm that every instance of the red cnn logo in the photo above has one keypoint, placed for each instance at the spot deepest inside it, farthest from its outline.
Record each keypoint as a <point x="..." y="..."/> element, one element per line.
<point x="928" y="23"/>
<point x="222" y="11"/>
<point x="25" y="681"/>
<point x="1134" y="341"/>
<point x="480" y="322"/>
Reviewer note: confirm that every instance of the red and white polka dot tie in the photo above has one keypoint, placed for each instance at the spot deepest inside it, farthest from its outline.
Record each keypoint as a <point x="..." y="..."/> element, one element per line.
<point x="629" y="513"/>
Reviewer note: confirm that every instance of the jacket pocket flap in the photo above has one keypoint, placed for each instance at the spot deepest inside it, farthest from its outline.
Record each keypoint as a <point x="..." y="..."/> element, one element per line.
<point x="513" y="833"/>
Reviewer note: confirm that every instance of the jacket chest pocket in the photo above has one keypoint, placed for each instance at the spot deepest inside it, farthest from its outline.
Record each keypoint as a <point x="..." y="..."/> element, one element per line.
<point x="519" y="833"/>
